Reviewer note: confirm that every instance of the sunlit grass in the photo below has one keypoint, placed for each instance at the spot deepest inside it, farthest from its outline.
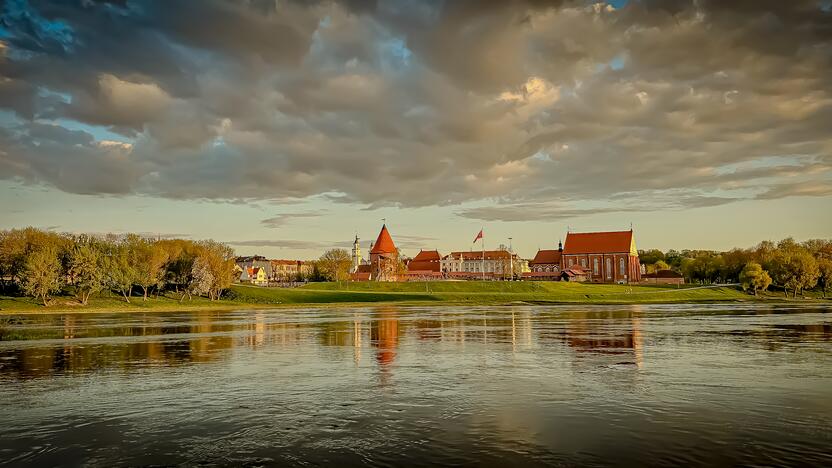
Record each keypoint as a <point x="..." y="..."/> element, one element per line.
<point x="449" y="292"/>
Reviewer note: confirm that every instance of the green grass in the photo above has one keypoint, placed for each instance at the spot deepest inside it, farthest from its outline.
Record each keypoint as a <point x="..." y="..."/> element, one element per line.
<point x="440" y="292"/>
<point x="532" y="292"/>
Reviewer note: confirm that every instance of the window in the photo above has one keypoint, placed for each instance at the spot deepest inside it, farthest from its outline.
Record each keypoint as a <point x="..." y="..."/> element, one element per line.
<point x="595" y="266"/>
<point x="621" y="266"/>
<point x="609" y="268"/>
<point x="583" y="262"/>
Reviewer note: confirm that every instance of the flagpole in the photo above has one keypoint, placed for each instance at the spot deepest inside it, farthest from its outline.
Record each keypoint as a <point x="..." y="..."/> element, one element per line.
<point x="483" y="253"/>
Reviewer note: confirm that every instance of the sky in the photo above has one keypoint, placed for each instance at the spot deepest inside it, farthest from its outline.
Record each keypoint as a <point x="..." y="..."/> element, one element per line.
<point x="285" y="128"/>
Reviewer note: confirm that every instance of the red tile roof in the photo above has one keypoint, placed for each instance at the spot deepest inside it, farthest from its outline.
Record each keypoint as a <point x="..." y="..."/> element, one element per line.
<point x="384" y="243"/>
<point x="546" y="257"/>
<point x="427" y="255"/>
<point x="425" y="260"/>
<point x="598" y="242"/>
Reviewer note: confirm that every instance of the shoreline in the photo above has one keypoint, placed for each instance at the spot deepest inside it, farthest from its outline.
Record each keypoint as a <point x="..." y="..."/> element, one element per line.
<point x="229" y="306"/>
<point x="332" y="295"/>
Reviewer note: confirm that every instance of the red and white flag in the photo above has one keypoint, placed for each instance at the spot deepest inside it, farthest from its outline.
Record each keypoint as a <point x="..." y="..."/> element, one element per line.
<point x="479" y="236"/>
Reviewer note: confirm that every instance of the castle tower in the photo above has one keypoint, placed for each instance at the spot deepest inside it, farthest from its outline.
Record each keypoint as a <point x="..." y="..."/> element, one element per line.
<point x="384" y="257"/>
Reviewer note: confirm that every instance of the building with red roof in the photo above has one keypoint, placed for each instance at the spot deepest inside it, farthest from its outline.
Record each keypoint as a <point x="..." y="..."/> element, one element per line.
<point x="426" y="260"/>
<point x="545" y="265"/>
<point x="609" y="257"/>
<point x="384" y="257"/>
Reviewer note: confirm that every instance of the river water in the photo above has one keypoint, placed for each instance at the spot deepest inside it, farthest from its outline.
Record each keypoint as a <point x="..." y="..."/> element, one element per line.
<point x="520" y="386"/>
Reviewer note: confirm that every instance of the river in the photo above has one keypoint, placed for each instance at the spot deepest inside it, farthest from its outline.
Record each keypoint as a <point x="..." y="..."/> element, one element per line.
<point x="646" y="385"/>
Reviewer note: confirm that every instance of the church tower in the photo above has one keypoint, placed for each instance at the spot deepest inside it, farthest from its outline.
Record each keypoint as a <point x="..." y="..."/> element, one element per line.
<point x="356" y="255"/>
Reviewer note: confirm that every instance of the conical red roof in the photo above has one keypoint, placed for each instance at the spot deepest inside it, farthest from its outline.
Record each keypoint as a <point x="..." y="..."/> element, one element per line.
<point x="384" y="244"/>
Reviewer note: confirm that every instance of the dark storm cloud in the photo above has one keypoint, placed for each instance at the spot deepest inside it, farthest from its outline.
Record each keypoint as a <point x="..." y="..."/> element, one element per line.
<point x="535" y="104"/>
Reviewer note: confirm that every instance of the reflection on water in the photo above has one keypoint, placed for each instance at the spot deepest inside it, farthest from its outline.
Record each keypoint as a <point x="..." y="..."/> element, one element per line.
<point x="656" y="385"/>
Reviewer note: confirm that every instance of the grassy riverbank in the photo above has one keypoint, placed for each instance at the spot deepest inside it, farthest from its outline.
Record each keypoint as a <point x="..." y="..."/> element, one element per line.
<point x="471" y="292"/>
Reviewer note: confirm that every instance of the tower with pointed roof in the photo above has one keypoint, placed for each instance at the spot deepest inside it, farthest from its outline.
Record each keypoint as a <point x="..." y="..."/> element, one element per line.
<point x="384" y="257"/>
<point x="356" y="254"/>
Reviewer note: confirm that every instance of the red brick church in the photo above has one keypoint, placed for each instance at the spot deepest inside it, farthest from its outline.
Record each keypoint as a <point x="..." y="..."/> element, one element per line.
<point x="603" y="257"/>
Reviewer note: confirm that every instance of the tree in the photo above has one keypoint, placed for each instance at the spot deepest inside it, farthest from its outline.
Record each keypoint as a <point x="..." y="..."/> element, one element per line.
<point x="825" y="275"/>
<point x="734" y="262"/>
<point x="85" y="270"/>
<point x="42" y="274"/>
<point x="316" y="276"/>
<point x="819" y="248"/>
<point x="149" y="260"/>
<point x="793" y="267"/>
<point x="659" y="265"/>
<point x="119" y="273"/>
<point x="17" y="245"/>
<point x="201" y="279"/>
<point x="650" y="257"/>
<point x="754" y="277"/>
<point x="218" y="259"/>
<point x="335" y="264"/>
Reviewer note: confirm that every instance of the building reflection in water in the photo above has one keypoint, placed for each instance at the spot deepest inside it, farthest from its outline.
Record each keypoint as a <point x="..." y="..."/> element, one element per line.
<point x="384" y="337"/>
<point x="357" y="330"/>
<point x="86" y="343"/>
<point x="614" y="333"/>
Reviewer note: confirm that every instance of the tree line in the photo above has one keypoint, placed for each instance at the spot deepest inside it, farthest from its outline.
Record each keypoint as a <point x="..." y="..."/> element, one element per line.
<point x="42" y="264"/>
<point x="793" y="266"/>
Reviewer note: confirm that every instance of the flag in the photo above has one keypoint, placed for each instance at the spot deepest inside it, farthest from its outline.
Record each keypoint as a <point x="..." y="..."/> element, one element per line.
<point x="479" y="236"/>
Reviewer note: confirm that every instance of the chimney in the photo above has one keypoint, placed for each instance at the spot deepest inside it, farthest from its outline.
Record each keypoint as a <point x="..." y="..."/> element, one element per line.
<point x="560" y="246"/>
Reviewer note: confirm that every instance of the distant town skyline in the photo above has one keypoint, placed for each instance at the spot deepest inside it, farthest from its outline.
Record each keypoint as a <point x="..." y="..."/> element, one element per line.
<point x="285" y="128"/>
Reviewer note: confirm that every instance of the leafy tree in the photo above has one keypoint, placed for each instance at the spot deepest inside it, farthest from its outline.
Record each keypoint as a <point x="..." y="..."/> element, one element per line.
<point x="733" y="263"/>
<point x="316" y="276"/>
<point x="650" y="257"/>
<point x="673" y="258"/>
<point x="825" y="275"/>
<point x="335" y="264"/>
<point x="148" y="260"/>
<point x="17" y="245"/>
<point x="201" y="279"/>
<point x="819" y="248"/>
<point x="659" y="265"/>
<point x="754" y="277"/>
<point x="119" y="273"/>
<point x="219" y="260"/>
<point x="793" y="267"/>
<point x="86" y="271"/>
<point x="42" y="274"/>
<point x="704" y="267"/>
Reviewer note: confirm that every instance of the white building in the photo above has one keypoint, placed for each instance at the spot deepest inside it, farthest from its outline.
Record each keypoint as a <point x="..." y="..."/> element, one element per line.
<point x="495" y="264"/>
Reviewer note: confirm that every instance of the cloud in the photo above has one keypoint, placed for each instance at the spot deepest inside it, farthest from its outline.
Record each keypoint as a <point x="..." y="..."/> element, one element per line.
<point x="285" y="218"/>
<point x="537" y="106"/>
<point x="292" y="244"/>
<point x="796" y="190"/>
